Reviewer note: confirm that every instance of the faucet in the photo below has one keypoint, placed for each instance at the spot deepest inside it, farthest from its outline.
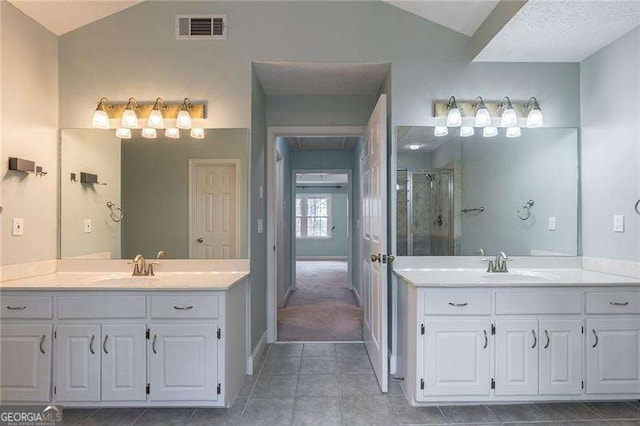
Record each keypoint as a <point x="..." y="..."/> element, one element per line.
<point x="141" y="268"/>
<point x="480" y="252"/>
<point x="499" y="264"/>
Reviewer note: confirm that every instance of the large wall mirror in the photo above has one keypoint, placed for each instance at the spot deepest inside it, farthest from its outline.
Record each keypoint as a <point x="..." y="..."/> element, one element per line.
<point x="466" y="196"/>
<point x="122" y="197"/>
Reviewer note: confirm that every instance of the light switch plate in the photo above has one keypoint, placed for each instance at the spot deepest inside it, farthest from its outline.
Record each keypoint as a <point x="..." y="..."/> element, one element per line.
<point x="87" y="226"/>
<point x="552" y="223"/>
<point x="17" y="226"/>
<point x="261" y="192"/>
<point x="260" y="226"/>
<point x="618" y="223"/>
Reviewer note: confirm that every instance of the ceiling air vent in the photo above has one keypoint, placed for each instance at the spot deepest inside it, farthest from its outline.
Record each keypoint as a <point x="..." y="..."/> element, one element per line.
<point x="201" y="27"/>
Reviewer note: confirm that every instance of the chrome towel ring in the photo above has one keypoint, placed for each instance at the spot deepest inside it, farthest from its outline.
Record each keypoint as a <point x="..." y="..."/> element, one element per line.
<point x="115" y="212"/>
<point x="524" y="213"/>
<point x="637" y="207"/>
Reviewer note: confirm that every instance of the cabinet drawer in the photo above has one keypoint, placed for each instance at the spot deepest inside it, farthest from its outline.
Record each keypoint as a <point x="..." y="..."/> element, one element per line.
<point x="38" y="307"/>
<point x="76" y="307"/>
<point x="457" y="303"/>
<point x="538" y="302"/>
<point x="613" y="302"/>
<point x="184" y="306"/>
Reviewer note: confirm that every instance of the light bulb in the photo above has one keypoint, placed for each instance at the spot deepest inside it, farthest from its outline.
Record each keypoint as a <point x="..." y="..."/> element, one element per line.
<point x="183" y="121"/>
<point x="466" y="131"/>
<point x="149" y="133"/>
<point x="123" y="133"/>
<point x="197" y="133"/>
<point x="414" y="147"/>
<point x="514" y="132"/>
<point x="441" y="131"/>
<point x="156" y="120"/>
<point x="534" y="119"/>
<point x="454" y="116"/>
<point x="172" y="133"/>
<point x="509" y="118"/>
<point x="129" y="116"/>
<point x="483" y="118"/>
<point x="100" y="117"/>
<point x="489" y="132"/>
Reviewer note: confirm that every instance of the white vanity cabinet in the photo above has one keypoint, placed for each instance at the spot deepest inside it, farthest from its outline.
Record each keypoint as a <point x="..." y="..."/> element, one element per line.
<point x="77" y="363"/>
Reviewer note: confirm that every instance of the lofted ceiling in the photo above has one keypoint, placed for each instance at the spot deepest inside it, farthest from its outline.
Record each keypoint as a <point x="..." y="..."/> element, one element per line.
<point x="322" y="143"/>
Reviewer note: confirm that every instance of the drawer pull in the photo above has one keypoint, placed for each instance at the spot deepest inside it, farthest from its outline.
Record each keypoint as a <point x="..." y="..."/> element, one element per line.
<point x="486" y="340"/>
<point x="619" y="303"/>
<point x="183" y="308"/>
<point x="42" y="343"/>
<point x="153" y="344"/>
<point x="16" y="308"/>
<point x="535" y="339"/>
<point x="93" y="337"/>
<point x="596" y="336"/>
<point x="458" y="304"/>
<point x="546" y="333"/>
<point x="104" y="344"/>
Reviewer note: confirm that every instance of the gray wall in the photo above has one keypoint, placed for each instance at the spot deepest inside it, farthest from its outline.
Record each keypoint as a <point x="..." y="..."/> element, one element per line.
<point x="319" y="110"/>
<point x="29" y="117"/>
<point x="337" y="245"/>
<point x="610" y="139"/>
<point x="155" y="189"/>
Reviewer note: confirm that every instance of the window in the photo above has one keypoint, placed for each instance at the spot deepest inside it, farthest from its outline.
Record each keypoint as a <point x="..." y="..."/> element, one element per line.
<point x="313" y="216"/>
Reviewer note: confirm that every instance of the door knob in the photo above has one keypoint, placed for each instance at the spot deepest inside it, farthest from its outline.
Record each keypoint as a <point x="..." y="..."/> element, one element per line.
<point x="391" y="258"/>
<point x="200" y="240"/>
<point x="376" y="257"/>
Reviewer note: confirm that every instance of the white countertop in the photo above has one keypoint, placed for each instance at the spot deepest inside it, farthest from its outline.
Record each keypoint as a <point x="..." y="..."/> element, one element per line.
<point x="530" y="277"/>
<point x="112" y="281"/>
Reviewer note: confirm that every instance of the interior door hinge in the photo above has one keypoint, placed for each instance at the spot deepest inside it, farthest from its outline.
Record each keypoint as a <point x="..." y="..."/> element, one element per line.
<point x="219" y="334"/>
<point x="582" y="329"/>
<point x="219" y="389"/>
<point x="148" y="388"/>
<point x="493" y="384"/>
<point x="148" y="333"/>
<point x="493" y="329"/>
<point x="582" y="384"/>
<point x="421" y="384"/>
<point x="422" y="329"/>
<point x="274" y="248"/>
<point x="55" y="390"/>
<point x="55" y="334"/>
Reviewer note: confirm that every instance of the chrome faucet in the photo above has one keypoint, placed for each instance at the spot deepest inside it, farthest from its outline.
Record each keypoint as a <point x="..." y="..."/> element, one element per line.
<point x="499" y="264"/>
<point x="141" y="268"/>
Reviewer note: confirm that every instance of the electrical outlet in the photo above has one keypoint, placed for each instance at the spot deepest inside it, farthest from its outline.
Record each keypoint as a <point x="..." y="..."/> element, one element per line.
<point x="18" y="226"/>
<point x="552" y="223"/>
<point x="618" y="223"/>
<point x="87" y="226"/>
<point x="260" y="226"/>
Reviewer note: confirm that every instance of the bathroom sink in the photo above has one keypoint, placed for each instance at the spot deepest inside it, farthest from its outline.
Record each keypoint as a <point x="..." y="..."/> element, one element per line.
<point x="518" y="277"/>
<point x="126" y="280"/>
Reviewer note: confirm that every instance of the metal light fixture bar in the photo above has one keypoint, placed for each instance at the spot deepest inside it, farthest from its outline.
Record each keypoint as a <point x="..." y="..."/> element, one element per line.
<point x="170" y="111"/>
<point x="440" y="108"/>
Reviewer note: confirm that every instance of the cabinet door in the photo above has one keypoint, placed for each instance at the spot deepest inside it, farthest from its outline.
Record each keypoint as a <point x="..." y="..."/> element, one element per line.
<point x="25" y="362"/>
<point x="78" y="362"/>
<point x="613" y="356"/>
<point x="183" y="362"/>
<point x="561" y="348"/>
<point x="124" y="362"/>
<point x="517" y="357"/>
<point x="457" y="358"/>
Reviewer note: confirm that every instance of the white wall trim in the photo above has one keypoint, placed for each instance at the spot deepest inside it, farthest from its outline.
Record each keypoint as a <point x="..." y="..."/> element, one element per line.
<point x="252" y="360"/>
<point x="611" y="266"/>
<point x="286" y="296"/>
<point x="322" y="258"/>
<point x="273" y="133"/>
<point x="355" y="292"/>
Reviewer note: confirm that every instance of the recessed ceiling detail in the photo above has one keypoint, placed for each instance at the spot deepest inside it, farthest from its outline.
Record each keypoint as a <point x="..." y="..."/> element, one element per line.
<point x="561" y="31"/>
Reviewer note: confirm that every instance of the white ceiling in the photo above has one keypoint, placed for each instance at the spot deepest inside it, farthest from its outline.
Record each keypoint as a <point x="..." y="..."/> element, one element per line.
<point x="62" y="16"/>
<point x="424" y="137"/>
<point x="322" y="143"/>
<point x="320" y="78"/>
<point x="561" y="30"/>
<point x="463" y="16"/>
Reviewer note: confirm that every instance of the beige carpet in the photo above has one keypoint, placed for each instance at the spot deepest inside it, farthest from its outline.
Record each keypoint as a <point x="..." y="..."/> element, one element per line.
<point x="322" y="308"/>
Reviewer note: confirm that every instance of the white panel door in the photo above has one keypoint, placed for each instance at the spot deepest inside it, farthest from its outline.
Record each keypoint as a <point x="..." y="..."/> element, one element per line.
<point x="516" y="357"/>
<point x="216" y="214"/>
<point x="561" y="348"/>
<point x="124" y="362"/>
<point x="457" y="356"/>
<point x="613" y="356"/>
<point x="374" y="240"/>
<point x="78" y="362"/>
<point x="25" y="362"/>
<point x="183" y="363"/>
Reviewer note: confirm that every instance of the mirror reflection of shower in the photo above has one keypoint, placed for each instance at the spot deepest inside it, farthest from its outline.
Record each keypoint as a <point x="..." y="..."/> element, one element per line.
<point x="425" y="213"/>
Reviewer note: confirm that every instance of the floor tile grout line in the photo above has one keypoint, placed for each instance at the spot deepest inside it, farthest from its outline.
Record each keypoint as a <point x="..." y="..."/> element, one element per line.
<point x="139" y="417"/>
<point x="194" y="412"/>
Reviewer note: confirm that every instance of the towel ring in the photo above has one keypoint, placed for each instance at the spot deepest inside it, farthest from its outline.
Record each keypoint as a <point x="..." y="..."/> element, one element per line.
<point x="115" y="212"/>
<point x="525" y="212"/>
<point x="637" y="207"/>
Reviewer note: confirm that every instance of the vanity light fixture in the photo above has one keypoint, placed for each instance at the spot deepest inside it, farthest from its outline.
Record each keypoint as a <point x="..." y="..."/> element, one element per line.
<point x="100" y="116"/>
<point x="414" y="147"/>
<point x="441" y="131"/>
<point x="466" y="131"/>
<point x="123" y="133"/>
<point x="514" y="132"/>
<point x="130" y="115"/>
<point x="490" y="131"/>
<point x="197" y="133"/>
<point x="149" y="133"/>
<point x="508" y="117"/>
<point x="534" y="113"/>
<point x="156" y="120"/>
<point x="172" y="132"/>
<point x="483" y="118"/>
<point x="454" y="116"/>
<point x="183" y="121"/>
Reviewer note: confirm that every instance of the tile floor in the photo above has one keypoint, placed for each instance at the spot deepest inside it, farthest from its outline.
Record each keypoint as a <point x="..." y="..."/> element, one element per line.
<point x="331" y="384"/>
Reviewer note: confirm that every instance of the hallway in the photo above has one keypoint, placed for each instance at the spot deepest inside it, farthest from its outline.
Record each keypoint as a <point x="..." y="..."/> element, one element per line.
<point x="322" y="308"/>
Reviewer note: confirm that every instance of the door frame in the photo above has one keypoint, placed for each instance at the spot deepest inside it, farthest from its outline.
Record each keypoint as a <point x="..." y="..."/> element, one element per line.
<point x="292" y="220"/>
<point x="274" y="132"/>
<point x="193" y="163"/>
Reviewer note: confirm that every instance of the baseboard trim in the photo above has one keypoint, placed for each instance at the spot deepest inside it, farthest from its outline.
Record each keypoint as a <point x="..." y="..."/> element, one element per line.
<point x="322" y="258"/>
<point x="252" y="361"/>
<point x="285" y="299"/>
<point x="392" y="363"/>
<point x="353" y="288"/>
